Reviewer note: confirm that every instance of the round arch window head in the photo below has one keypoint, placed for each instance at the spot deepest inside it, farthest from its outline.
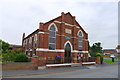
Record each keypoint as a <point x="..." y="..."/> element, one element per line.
<point x="67" y="47"/>
<point x="68" y="42"/>
<point x="80" y="33"/>
<point x="52" y="27"/>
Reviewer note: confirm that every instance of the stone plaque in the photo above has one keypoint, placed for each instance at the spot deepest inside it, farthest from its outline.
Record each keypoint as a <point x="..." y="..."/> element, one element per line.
<point x="68" y="31"/>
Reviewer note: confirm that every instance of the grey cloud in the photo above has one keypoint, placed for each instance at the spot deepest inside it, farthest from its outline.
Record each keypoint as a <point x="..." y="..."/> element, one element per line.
<point x="98" y="19"/>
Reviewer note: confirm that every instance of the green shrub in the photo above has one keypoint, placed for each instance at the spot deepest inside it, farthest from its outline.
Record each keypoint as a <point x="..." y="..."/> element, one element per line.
<point x="101" y="57"/>
<point x="8" y="56"/>
<point x="17" y="51"/>
<point x="21" y="58"/>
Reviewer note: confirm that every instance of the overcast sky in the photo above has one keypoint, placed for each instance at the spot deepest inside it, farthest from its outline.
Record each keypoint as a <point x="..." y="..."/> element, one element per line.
<point x="98" y="19"/>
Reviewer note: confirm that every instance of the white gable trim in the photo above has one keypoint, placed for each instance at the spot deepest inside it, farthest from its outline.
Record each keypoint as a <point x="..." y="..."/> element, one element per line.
<point x="41" y="32"/>
<point x="67" y="24"/>
<point x="57" y="21"/>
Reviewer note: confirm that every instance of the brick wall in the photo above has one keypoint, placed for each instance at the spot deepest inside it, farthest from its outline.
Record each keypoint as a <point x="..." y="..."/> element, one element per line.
<point x="18" y="66"/>
<point x="98" y="61"/>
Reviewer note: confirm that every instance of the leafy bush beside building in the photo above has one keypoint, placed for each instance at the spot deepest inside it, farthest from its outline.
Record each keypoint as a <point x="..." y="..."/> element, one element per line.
<point x="21" y="58"/>
<point x="8" y="55"/>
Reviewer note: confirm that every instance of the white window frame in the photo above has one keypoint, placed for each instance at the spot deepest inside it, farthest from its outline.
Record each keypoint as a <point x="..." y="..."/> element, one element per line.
<point x="80" y="41"/>
<point x="52" y="37"/>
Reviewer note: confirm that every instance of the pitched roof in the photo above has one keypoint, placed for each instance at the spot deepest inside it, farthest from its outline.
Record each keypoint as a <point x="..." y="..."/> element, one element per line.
<point x="32" y="33"/>
<point x="109" y="51"/>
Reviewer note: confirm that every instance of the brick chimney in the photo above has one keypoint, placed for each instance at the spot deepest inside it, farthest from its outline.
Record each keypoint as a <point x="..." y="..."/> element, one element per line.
<point x="41" y="26"/>
<point x="23" y="38"/>
<point x="23" y="35"/>
<point x="63" y="15"/>
<point x="73" y="20"/>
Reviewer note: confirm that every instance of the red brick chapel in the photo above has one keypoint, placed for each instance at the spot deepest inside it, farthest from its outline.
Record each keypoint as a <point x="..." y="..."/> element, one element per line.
<point x="60" y="40"/>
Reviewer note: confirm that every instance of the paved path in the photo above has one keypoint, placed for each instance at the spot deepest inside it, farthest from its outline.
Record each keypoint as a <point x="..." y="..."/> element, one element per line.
<point x="100" y="71"/>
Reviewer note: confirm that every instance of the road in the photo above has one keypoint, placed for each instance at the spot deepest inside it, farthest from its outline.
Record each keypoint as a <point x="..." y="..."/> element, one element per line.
<point x="110" y="71"/>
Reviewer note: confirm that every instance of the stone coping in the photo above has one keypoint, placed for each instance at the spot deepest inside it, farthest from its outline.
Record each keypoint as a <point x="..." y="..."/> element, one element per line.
<point x="89" y="63"/>
<point x="66" y="64"/>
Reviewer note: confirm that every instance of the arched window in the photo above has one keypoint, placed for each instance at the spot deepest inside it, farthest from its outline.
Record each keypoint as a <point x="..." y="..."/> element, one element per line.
<point x="52" y="37"/>
<point x="80" y="42"/>
<point x="30" y="42"/>
<point x="35" y="41"/>
<point x="24" y="43"/>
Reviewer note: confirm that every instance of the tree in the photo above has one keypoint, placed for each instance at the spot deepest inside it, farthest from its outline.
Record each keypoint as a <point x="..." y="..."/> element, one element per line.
<point x="95" y="48"/>
<point x="5" y="46"/>
<point x="98" y="47"/>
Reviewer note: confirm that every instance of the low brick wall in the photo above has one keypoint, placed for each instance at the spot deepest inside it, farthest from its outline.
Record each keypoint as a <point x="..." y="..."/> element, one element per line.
<point x="98" y="60"/>
<point x="106" y="56"/>
<point x="18" y="66"/>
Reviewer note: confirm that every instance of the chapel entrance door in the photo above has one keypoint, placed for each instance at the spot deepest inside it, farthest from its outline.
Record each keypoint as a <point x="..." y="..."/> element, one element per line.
<point x="67" y="56"/>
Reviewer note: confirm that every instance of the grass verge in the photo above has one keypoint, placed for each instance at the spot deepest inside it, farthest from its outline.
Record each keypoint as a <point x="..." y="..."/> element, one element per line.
<point x="110" y="60"/>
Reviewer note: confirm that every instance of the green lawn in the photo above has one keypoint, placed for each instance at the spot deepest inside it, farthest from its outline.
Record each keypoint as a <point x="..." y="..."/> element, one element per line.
<point x="110" y="60"/>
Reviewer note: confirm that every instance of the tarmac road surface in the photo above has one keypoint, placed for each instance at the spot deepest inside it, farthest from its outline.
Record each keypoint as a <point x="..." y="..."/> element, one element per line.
<point x="110" y="71"/>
